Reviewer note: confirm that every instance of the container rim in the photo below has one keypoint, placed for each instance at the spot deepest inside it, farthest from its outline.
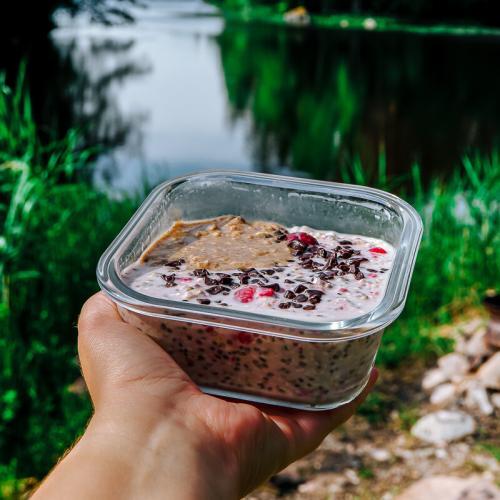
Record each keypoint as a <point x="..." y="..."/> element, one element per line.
<point x="385" y="313"/>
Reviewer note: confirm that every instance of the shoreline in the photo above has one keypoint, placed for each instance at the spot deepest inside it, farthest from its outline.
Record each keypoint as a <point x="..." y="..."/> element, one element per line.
<point x="350" y="22"/>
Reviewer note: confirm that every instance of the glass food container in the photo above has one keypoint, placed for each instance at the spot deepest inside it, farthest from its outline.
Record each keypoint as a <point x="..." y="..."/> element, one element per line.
<point x="256" y="357"/>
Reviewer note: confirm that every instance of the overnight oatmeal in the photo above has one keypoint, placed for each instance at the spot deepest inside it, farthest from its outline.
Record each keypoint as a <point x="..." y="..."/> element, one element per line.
<point x="262" y="267"/>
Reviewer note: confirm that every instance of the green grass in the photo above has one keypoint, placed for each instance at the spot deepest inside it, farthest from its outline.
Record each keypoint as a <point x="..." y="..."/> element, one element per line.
<point x="52" y="230"/>
<point x="53" y="227"/>
<point x="255" y="13"/>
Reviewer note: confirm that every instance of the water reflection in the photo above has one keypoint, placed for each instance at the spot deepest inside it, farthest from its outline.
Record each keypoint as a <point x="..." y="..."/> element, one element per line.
<point x="178" y="91"/>
<point x="318" y="98"/>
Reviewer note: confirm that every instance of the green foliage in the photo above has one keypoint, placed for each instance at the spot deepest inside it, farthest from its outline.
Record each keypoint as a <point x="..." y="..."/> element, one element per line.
<point x="476" y="11"/>
<point x="52" y="231"/>
<point x="314" y="99"/>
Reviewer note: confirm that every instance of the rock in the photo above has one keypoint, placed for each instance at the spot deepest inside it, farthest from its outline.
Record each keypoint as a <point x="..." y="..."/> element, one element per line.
<point x="476" y="346"/>
<point x="298" y="16"/>
<point x="477" y="398"/>
<point x="470" y="327"/>
<point x="443" y="426"/>
<point x="369" y="23"/>
<point x="443" y="395"/>
<point x="493" y="335"/>
<point x="380" y="454"/>
<point x="351" y="477"/>
<point x="451" y="488"/>
<point x="495" y="399"/>
<point x="489" y="373"/>
<point x="433" y="378"/>
<point x="454" y="366"/>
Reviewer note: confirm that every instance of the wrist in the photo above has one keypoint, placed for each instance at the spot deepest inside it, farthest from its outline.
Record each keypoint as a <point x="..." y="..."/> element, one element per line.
<point x="150" y="457"/>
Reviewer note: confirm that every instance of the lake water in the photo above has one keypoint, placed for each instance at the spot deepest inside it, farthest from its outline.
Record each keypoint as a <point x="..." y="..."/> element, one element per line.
<point x="180" y="91"/>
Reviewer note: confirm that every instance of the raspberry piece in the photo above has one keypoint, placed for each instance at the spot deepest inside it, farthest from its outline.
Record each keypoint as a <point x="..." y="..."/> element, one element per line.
<point x="244" y="294"/>
<point x="377" y="250"/>
<point x="266" y="292"/>
<point x="244" y="337"/>
<point x="304" y="238"/>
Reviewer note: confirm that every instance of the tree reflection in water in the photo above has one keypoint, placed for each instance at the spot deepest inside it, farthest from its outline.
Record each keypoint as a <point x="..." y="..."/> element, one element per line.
<point x="319" y="98"/>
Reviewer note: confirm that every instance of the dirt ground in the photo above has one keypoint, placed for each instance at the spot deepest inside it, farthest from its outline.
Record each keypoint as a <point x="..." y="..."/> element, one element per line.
<point x="374" y="456"/>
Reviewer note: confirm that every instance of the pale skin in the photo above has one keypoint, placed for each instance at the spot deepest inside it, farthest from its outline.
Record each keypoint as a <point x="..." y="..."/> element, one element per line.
<point x="154" y="435"/>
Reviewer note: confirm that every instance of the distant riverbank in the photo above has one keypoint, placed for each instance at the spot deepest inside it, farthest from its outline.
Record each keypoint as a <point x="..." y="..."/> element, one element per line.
<point x="300" y="17"/>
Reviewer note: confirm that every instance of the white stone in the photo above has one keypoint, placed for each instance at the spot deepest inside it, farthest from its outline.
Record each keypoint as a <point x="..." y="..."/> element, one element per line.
<point x="369" y="23"/>
<point x="454" y="366"/>
<point x="380" y="454"/>
<point x="477" y="346"/>
<point x="471" y="326"/>
<point x="489" y="372"/>
<point x="451" y="488"/>
<point x="443" y="426"/>
<point x="443" y="395"/>
<point x="495" y="399"/>
<point x="351" y="477"/>
<point x="477" y="398"/>
<point x="298" y="16"/>
<point x="433" y="378"/>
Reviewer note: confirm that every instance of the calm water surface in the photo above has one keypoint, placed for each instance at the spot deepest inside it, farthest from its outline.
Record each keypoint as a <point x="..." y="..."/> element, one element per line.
<point x="179" y="91"/>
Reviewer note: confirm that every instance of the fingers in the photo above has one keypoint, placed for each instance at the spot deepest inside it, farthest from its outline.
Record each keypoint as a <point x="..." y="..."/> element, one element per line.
<point x="306" y="429"/>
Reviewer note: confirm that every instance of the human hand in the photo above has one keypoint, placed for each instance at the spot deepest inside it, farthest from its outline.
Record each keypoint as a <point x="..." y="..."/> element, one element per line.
<point x="172" y="440"/>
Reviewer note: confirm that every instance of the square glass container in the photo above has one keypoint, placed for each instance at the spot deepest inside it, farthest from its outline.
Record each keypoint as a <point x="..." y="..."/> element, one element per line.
<point x="256" y="357"/>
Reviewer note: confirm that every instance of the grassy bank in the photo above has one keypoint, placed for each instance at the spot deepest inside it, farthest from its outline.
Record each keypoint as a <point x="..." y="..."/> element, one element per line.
<point x="52" y="230"/>
<point x="53" y="227"/>
<point x="275" y="14"/>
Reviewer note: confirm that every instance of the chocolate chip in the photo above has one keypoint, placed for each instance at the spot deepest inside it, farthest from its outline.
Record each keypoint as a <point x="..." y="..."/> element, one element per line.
<point x="289" y="281"/>
<point x="294" y="304"/>
<point x="345" y="242"/>
<point x="200" y="272"/>
<point x="309" y="308"/>
<point x="322" y="252"/>
<point x="346" y="253"/>
<point x="307" y="264"/>
<point x="226" y="280"/>
<point x="280" y="237"/>
<point x="175" y="263"/>
<point x="330" y="263"/>
<point x="297" y="246"/>
<point x="268" y="271"/>
<point x="317" y="293"/>
<point x="289" y="295"/>
<point x="299" y="288"/>
<point x="284" y="305"/>
<point x="301" y="298"/>
<point x="357" y="261"/>
<point x="205" y="302"/>
<point x="359" y="275"/>
<point x="315" y="299"/>
<point x="211" y="281"/>
<point x="272" y="286"/>
<point x="214" y="290"/>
